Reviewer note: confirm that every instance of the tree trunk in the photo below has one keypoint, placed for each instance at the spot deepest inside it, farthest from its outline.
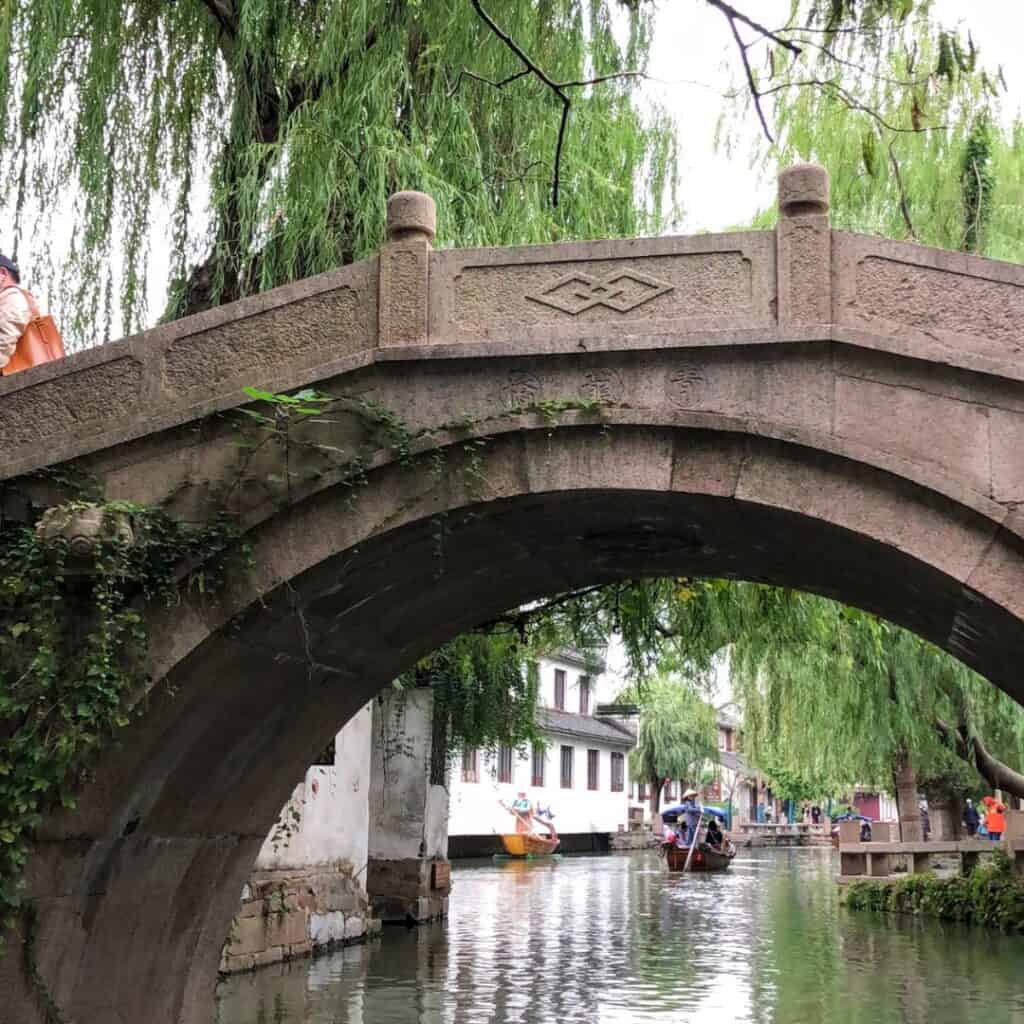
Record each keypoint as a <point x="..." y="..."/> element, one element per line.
<point x="904" y="780"/>
<point x="998" y="775"/>
<point x="656" y="823"/>
<point x="946" y="811"/>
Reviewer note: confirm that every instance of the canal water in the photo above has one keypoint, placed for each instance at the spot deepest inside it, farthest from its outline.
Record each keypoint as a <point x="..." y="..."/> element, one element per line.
<point x="616" y="939"/>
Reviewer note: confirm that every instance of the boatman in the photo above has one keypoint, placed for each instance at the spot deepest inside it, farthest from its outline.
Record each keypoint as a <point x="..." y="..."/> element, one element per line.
<point x="690" y="812"/>
<point x="523" y="811"/>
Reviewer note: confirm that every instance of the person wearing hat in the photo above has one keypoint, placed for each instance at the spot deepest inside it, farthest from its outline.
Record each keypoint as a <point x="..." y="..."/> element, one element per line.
<point x="15" y="311"/>
<point x="690" y="811"/>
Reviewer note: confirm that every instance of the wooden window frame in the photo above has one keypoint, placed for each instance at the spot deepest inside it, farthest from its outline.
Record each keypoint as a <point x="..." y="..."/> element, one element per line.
<point x="618" y="772"/>
<point x="559" y="689"/>
<point x="505" y="760"/>
<point x="584" y="684"/>
<point x="593" y="769"/>
<point x="538" y="761"/>
<point x="567" y="780"/>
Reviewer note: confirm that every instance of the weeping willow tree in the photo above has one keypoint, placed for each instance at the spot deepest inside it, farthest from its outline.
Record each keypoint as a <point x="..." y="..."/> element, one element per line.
<point x="270" y="132"/>
<point x="910" y="128"/>
<point x="253" y="142"/>
<point x="833" y="693"/>
<point x="677" y="736"/>
<point x="485" y="689"/>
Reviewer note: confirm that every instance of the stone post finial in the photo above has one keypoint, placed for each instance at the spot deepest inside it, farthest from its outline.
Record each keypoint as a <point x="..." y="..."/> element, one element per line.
<point x="803" y="189"/>
<point x="804" y="248"/>
<point x="411" y="215"/>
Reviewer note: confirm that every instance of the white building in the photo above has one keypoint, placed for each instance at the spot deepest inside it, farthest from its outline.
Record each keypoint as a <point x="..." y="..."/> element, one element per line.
<point x="581" y="773"/>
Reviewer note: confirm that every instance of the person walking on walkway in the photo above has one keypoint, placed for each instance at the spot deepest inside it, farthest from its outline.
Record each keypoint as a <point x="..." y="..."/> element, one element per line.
<point x="995" y="817"/>
<point x="971" y="818"/>
<point x="27" y="337"/>
<point x="15" y="313"/>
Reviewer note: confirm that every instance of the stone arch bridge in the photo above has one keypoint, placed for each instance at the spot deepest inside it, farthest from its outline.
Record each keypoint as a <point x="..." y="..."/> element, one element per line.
<point x="804" y="406"/>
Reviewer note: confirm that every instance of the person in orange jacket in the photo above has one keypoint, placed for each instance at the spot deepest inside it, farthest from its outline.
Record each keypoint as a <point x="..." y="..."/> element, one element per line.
<point x="995" y="817"/>
<point x="15" y="312"/>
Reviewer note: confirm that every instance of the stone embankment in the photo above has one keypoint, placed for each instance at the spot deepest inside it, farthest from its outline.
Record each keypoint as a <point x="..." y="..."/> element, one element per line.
<point x="289" y="913"/>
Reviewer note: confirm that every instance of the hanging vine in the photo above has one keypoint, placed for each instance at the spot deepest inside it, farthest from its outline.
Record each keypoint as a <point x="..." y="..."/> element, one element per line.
<point x="73" y="645"/>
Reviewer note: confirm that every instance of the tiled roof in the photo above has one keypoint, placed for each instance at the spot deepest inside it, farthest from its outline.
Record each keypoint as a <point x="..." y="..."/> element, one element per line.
<point x="731" y="760"/>
<point x="585" y="727"/>
<point x="580" y="659"/>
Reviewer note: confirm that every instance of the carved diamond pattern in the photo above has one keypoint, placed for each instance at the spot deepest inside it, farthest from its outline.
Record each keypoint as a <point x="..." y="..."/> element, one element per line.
<point x="622" y="291"/>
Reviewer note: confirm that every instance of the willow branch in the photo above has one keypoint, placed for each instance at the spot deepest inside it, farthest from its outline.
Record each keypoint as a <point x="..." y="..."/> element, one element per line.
<point x="530" y="67"/>
<point x="904" y="206"/>
<point x="762" y="30"/>
<point x="851" y="103"/>
<point x="755" y="93"/>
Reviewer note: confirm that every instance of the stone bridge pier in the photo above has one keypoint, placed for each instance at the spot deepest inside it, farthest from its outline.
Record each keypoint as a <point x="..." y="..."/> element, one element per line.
<point x="802" y="406"/>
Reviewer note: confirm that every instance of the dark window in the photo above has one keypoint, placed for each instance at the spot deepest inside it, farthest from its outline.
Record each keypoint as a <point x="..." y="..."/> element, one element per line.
<point x="469" y="766"/>
<point x="567" y="753"/>
<point x="669" y="792"/>
<point x="560" y="689"/>
<point x="641" y="792"/>
<point x="538" y="765"/>
<point x="593" y="763"/>
<point x="584" y="695"/>
<point x="618" y="772"/>
<point x="504" y="764"/>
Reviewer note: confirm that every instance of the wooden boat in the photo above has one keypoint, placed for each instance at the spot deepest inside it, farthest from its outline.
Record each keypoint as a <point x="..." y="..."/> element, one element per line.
<point x="528" y="844"/>
<point x="704" y="857"/>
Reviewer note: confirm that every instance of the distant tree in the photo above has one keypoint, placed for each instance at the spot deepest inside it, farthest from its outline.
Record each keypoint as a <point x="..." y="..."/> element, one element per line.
<point x="678" y="734"/>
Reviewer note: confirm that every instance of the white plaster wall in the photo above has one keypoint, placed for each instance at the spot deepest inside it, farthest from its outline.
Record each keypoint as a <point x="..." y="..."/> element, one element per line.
<point x="407" y="814"/>
<point x="603" y="688"/>
<point x="475" y="810"/>
<point x="333" y="810"/>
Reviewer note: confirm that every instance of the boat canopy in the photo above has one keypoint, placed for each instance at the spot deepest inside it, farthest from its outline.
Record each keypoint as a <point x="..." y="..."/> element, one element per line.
<point x="851" y="816"/>
<point x="671" y="814"/>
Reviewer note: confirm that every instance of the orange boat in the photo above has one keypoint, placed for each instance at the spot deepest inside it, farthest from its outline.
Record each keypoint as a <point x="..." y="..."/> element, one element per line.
<point x="528" y="844"/>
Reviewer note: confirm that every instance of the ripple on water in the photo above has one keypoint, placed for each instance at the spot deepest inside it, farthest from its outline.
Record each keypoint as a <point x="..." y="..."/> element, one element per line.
<point x="616" y="939"/>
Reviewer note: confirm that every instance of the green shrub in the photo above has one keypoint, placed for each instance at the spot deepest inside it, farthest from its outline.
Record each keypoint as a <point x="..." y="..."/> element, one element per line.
<point x="992" y="896"/>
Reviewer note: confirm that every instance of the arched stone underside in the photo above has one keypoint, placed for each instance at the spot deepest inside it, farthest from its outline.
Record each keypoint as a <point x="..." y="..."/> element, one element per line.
<point x="822" y="411"/>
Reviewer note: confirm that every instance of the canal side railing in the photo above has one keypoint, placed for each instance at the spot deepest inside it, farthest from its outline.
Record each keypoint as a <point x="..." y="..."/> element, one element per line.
<point x="885" y="860"/>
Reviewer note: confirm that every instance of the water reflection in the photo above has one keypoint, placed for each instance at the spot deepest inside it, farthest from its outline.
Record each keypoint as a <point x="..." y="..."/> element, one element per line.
<point x="616" y="939"/>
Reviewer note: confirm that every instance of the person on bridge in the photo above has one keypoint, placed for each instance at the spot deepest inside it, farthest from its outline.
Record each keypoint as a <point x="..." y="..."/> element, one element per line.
<point x="27" y="338"/>
<point x="971" y="818"/>
<point x="995" y="817"/>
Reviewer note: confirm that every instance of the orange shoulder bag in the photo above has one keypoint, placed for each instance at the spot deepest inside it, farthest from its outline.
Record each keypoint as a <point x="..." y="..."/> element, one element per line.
<point x="40" y="342"/>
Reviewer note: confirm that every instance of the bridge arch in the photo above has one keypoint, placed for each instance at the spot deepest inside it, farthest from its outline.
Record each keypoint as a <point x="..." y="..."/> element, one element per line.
<point x="874" y="466"/>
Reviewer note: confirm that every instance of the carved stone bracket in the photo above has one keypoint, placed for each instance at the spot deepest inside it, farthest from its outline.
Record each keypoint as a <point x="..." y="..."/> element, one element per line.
<point x="83" y="528"/>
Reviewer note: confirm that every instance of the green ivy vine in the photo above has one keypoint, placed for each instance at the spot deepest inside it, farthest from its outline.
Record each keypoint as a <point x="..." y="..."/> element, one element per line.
<point x="73" y="646"/>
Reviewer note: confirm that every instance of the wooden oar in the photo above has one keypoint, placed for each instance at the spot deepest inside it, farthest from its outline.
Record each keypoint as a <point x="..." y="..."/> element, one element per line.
<point x="693" y="842"/>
